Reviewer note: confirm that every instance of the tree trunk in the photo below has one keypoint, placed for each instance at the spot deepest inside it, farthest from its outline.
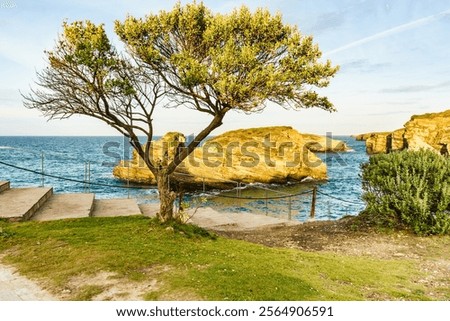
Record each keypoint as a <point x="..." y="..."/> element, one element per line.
<point x="166" y="197"/>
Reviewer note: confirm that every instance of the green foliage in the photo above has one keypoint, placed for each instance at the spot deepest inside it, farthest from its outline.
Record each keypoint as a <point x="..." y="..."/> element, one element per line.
<point x="87" y="44"/>
<point x="86" y="76"/>
<point x="85" y="52"/>
<point x="4" y="233"/>
<point x="408" y="190"/>
<point x="190" y="230"/>
<point x="237" y="60"/>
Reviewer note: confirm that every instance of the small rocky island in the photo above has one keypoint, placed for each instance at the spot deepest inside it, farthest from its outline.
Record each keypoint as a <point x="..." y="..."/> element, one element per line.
<point x="427" y="131"/>
<point x="255" y="155"/>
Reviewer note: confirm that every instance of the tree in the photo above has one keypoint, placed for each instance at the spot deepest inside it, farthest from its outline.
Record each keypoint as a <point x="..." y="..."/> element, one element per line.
<point x="212" y="63"/>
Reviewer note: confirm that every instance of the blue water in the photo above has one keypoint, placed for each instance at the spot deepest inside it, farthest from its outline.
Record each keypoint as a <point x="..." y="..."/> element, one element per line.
<point x="343" y="190"/>
<point x="344" y="181"/>
<point x="67" y="157"/>
<point x="70" y="157"/>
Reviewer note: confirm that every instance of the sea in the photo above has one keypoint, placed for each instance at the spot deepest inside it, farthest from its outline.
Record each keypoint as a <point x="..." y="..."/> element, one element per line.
<point x="85" y="164"/>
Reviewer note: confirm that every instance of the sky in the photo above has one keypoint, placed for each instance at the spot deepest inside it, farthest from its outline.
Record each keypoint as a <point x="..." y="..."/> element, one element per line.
<point x="393" y="57"/>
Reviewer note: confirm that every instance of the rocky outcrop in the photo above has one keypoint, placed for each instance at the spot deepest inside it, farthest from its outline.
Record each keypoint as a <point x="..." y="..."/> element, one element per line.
<point x="384" y="142"/>
<point x="322" y="144"/>
<point x="263" y="155"/>
<point x="364" y="137"/>
<point x="428" y="131"/>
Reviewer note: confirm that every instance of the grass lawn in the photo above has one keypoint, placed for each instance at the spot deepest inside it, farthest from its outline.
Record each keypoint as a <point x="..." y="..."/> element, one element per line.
<point x="188" y="263"/>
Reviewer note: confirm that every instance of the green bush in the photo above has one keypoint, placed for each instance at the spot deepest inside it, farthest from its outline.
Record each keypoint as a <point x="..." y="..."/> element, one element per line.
<point x="408" y="190"/>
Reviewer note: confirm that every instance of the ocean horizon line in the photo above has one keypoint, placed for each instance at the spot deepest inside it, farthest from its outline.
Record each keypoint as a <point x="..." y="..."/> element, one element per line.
<point x="159" y="135"/>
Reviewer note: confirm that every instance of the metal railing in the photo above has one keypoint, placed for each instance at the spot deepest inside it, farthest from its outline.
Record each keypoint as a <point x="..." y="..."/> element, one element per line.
<point x="255" y="198"/>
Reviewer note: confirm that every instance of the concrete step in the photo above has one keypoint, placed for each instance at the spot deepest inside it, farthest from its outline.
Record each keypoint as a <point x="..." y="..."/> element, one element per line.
<point x="4" y="186"/>
<point x="20" y="204"/>
<point x="63" y="206"/>
<point x="115" y="207"/>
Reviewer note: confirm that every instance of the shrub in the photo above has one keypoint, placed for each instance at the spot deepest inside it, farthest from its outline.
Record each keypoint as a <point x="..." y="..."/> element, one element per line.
<point x="408" y="190"/>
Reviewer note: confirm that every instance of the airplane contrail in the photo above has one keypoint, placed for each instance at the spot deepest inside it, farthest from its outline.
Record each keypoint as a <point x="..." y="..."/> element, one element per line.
<point x="389" y="32"/>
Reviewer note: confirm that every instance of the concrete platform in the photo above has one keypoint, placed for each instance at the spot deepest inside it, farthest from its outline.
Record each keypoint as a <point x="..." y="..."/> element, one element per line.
<point x="4" y="186"/>
<point x="209" y="218"/>
<point x="62" y="206"/>
<point x="20" y="204"/>
<point x="115" y="207"/>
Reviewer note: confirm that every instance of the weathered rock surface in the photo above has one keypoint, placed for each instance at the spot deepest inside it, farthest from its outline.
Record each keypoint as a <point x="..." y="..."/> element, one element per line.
<point x="364" y="137"/>
<point x="322" y="144"/>
<point x="428" y="131"/>
<point x="263" y="155"/>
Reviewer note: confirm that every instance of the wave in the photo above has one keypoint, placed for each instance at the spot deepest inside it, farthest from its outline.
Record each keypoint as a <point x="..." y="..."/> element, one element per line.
<point x="6" y="147"/>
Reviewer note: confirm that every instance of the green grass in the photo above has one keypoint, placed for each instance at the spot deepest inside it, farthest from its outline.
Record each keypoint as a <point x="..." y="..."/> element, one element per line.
<point x="86" y="293"/>
<point x="191" y="263"/>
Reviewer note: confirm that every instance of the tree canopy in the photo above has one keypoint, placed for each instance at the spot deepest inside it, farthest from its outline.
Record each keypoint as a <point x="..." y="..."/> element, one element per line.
<point x="87" y="76"/>
<point x="211" y="62"/>
<point x="238" y="60"/>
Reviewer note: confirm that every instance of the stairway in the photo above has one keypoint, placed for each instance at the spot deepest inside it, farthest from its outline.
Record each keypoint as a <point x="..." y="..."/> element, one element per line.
<point x="20" y="204"/>
<point x="40" y="204"/>
<point x="4" y="186"/>
<point x="64" y="206"/>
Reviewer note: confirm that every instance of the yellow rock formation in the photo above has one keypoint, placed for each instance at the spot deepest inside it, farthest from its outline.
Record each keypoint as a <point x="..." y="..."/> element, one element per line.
<point x="428" y="131"/>
<point x="263" y="155"/>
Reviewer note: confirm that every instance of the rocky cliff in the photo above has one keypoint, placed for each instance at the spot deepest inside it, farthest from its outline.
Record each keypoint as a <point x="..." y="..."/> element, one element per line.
<point x="364" y="137"/>
<point x="263" y="155"/>
<point x="428" y="131"/>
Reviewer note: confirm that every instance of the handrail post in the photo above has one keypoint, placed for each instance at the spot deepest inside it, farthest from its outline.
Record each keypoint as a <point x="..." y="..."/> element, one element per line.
<point x="290" y="208"/>
<point x="42" y="169"/>
<point x="329" y="209"/>
<point x="313" y="203"/>
<point x="128" y="179"/>
<point x="240" y="194"/>
<point x="85" y="177"/>
<point x="267" y="206"/>
<point x="89" y="177"/>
